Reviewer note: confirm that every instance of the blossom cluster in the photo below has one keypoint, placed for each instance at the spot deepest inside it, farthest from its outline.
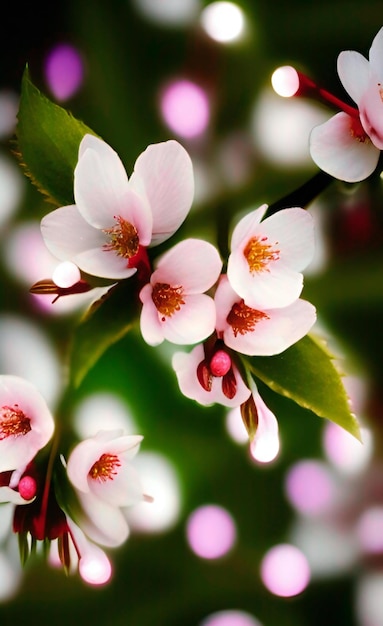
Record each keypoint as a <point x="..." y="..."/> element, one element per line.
<point x="253" y="308"/>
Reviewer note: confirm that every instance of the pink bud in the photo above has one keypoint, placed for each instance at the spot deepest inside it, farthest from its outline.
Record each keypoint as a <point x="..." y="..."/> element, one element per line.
<point x="27" y="487"/>
<point x="220" y="363"/>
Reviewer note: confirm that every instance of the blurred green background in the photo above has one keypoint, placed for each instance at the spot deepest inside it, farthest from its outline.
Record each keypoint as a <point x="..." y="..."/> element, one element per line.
<point x="129" y="58"/>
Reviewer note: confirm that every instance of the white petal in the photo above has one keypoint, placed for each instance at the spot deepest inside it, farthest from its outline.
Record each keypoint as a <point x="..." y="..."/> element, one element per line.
<point x="66" y="234"/>
<point x="354" y="72"/>
<point x="265" y="444"/>
<point x="293" y="230"/>
<point x="150" y="325"/>
<point x="277" y="287"/>
<point x="100" y="180"/>
<point x="337" y="151"/>
<point x="376" y="54"/>
<point x="101" y="522"/>
<point x="104" y="263"/>
<point x="194" y="264"/>
<point x="165" y="171"/>
<point x="16" y="452"/>
<point x="247" y="226"/>
<point x="194" y="322"/>
<point x="123" y="489"/>
<point x="276" y="332"/>
<point x="185" y="366"/>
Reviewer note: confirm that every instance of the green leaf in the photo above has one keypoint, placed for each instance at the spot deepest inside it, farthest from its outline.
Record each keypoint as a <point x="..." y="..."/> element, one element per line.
<point x="107" y="321"/>
<point x="306" y="373"/>
<point x="48" y="138"/>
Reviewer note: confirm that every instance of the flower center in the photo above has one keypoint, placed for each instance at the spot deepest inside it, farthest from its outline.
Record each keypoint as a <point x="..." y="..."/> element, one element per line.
<point x="13" y="422"/>
<point x="243" y="318"/>
<point x="258" y="254"/>
<point x="167" y="299"/>
<point x="123" y="238"/>
<point x="105" y="467"/>
<point x="357" y="131"/>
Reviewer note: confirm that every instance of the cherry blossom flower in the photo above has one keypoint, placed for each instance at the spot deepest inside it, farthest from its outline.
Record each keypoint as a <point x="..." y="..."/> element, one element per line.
<point x="105" y="233"/>
<point x="26" y="424"/>
<point x="105" y="482"/>
<point x="208" y="375"/>
<point x="175" y="306"/>
<point x="348" y="145"/>
<point x="257" y="332"/>
<point x="267" y="257"/>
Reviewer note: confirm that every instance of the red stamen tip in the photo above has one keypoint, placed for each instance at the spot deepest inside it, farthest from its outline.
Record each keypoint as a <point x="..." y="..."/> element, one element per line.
<point x="27" y="487"/>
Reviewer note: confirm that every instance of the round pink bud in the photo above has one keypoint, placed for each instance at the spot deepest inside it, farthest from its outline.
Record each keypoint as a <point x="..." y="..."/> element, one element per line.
<point x="27" y="487"/>
<point x="220" y="364"/>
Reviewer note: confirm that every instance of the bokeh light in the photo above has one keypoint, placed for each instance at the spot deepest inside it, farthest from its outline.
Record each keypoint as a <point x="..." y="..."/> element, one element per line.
<point x="223" y="21"/>
<point x="266" y="448"/>
<point x="235" y="426"/>
<point x="369" y="594"/>
<point x="230" y="618"/>
<point x="310" y="487"/>
<point x="210" y="531"/>
<point x="285" y="81"/>
<point x="281" y="129"/>
<point x="369" y="530"/>
<point x="66" y="274"/>
<point x="185" y="108"/>
<point x="95" y="567"/>
<point x="169" y="12"/>
<point x="20" y="341"/>
<point x="285" y="570"/>
<point x="12" y="186"/>
<point x="344" y="451"/>
<point x="64" y="71"/>
<point x="9" y="103"/>
<point x="102" y="410"/>
<point x="160" y="481"/>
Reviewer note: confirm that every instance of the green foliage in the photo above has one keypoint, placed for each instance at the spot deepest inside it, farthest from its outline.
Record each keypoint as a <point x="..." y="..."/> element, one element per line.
<point x="48" y="138"/>
<point x="306" y="374"/>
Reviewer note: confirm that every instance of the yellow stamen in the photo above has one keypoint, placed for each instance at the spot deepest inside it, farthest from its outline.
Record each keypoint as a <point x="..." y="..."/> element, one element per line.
<point x="124" y="240"/>
<point x="167" y="299"/>
<point x="258" y="254"/>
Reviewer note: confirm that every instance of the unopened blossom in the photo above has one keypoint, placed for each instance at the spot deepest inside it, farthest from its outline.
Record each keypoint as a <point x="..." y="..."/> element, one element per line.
<point x="267" y="256"/>
<point x="175" y="306"/>
<point x="106" y="482"/>
<point x="26" y="423"/>
<point x="114" y="219"/>
<point x="261" y="425"/>
<point x="256" y="331"/>
<point x="348" y="146"/>
<point x="208" y="380"/>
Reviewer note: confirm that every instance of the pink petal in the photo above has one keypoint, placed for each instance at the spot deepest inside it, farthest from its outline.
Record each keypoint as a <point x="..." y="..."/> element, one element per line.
<point x="277" y="287"/>
<point x="104" y="263"/>
<point x="150" y="325"/>
<point x="354" y="72"/>
<point x="194" y="322"/>
<point x="340" y="153"/>
<point x="101" y="522"/>
<point x="371" y="110"/>
<point x="265" y="443"/>
<point x="194" y="264"/>
<point x="66" y="234"/>
<point x="275" y="333"/>
<point x="100" y="181"/>
<point x="165" y="171"/>
<point x="123" y="489"/>
<point x="10" y="495"/>
<point x="247" y="226"/>
<point x="185" y="366"/>
<point x="376" y="55"/>
<point x="293" y="229"/>
<point x="17" y="452"/>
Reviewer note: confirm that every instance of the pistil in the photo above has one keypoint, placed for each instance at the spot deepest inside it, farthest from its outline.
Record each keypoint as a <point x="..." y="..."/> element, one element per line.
<point x="105" y="468"/>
